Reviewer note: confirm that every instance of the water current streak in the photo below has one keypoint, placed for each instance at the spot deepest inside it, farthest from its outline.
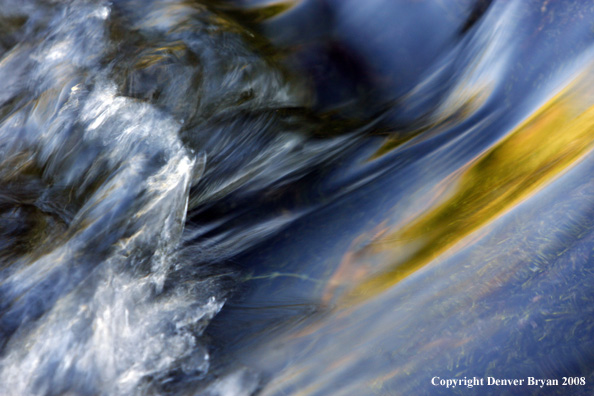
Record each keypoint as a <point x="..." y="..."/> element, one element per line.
<point x="314" y="197"/>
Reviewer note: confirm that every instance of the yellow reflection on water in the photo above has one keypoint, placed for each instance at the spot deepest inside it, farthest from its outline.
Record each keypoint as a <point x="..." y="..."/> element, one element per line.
<point x="557" y="135"/>
<point x="254" y="14"/>
<point x="459" y="106"/>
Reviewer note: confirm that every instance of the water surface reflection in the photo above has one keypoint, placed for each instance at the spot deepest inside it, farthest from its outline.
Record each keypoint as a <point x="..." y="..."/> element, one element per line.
<point x="225" y="197"/>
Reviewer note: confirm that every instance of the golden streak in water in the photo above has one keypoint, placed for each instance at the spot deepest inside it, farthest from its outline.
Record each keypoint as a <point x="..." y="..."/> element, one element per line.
<point x="266" y="12"/>
<point x="154" y="56"/>
<point x="539" y="149"/>
<point x="447" y="118"/>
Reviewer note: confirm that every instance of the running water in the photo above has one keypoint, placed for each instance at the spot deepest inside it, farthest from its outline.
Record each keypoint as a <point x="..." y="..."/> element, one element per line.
<point x="312" y="197"/>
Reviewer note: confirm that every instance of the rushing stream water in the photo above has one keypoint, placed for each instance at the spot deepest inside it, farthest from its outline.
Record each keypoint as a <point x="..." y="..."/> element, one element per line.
<point x="315" y="197"/>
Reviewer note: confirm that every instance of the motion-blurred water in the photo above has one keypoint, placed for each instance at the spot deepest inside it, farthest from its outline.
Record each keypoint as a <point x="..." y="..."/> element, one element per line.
<point x="314" y="197"/>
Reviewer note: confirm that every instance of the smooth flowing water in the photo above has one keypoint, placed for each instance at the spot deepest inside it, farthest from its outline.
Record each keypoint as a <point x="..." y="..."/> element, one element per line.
<point x="315" y="197"/>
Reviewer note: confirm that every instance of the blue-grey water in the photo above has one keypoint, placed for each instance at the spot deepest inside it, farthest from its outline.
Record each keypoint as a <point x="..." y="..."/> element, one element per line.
<point x="309" y="197"/>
